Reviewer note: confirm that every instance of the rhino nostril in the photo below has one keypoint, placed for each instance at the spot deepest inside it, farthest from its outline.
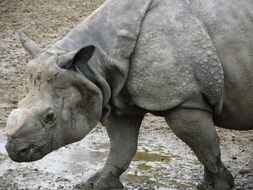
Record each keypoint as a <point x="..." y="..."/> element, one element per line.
<point x="24" y="152"/>
<point x="8" y="147"/>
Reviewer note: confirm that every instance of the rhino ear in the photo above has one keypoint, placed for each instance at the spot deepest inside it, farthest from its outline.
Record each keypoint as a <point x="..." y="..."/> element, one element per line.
<point x="83" y="55"/>
<point x="29" y="45"/>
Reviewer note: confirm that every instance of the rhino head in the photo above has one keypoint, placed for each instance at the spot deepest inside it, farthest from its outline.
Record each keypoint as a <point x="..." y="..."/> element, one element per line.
<point x="61" y="107"/>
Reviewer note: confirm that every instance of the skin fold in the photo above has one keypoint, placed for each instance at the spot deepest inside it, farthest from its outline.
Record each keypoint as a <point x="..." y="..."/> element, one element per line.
<point x="188" y="61"/>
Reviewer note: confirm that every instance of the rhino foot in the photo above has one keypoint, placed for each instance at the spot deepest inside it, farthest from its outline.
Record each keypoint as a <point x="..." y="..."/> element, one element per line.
<point x="222" y="181"/>
<point x="108" y="181"/>
<point x="101" y="181"/>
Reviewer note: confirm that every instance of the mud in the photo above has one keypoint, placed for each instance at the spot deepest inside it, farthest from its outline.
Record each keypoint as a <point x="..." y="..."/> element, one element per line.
<point x="162" y="160"/>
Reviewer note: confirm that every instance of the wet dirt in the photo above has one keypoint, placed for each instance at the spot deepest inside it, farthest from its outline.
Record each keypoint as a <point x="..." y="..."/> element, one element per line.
<point x="162" y="161"/>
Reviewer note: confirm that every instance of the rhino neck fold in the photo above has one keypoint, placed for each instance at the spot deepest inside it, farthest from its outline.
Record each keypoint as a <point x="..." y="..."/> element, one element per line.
<point x="96" y="73"/>
<point x="114" y="33"/>
<point x="103" y="71"/>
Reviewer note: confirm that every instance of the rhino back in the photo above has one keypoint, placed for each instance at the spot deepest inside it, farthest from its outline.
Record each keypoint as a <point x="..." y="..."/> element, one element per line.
<point x="175" y="62"/>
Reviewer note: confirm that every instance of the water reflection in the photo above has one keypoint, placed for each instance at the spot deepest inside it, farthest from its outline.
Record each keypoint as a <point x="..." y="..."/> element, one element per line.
<point x="149" y="169"/>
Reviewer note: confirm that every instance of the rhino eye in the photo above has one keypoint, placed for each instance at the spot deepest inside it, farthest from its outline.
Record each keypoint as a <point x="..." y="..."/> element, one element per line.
<point x="49" y="118"/>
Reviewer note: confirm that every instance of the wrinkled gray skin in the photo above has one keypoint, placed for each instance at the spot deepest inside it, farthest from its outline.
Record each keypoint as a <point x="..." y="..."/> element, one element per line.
<point x="190" y="61"/>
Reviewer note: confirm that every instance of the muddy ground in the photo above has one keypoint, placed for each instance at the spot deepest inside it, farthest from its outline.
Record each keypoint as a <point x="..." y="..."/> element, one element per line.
<point x="162" y="161"/>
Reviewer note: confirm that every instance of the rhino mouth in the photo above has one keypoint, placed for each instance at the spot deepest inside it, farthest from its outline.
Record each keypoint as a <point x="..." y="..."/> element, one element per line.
<point x="28" y="154"/>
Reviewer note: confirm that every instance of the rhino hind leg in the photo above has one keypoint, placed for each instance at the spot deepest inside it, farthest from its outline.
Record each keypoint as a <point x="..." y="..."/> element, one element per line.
<point x="123" y="133"/>
<point x="197" y="130"/>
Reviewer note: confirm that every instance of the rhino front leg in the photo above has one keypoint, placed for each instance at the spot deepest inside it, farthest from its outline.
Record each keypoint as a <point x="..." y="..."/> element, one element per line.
<point x="197" y="130"/>
<point x="123" y="133"/>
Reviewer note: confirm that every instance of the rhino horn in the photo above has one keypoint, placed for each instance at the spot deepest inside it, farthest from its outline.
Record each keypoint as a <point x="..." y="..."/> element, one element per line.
<point x="29" y="45"/>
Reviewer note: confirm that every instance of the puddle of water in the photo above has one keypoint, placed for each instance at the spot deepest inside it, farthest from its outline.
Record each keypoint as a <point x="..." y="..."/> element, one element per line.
<point x="196" y="162"/>
<point x="82" y="157"/>
<point x="153" y="157"/>
<point x="182" y="184"/>
<point x="3" y="157"/>
<point x="73" y="160"/>
<point x="133" y="178"/>
<point x="2" y="148"/>
<point x="149" y="170"/>
<point x="144" y="167"/>
<point x="149" y="167"/>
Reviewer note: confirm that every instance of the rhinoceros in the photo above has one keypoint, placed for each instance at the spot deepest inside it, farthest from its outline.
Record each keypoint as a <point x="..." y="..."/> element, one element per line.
<point x="190" y="61"/>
